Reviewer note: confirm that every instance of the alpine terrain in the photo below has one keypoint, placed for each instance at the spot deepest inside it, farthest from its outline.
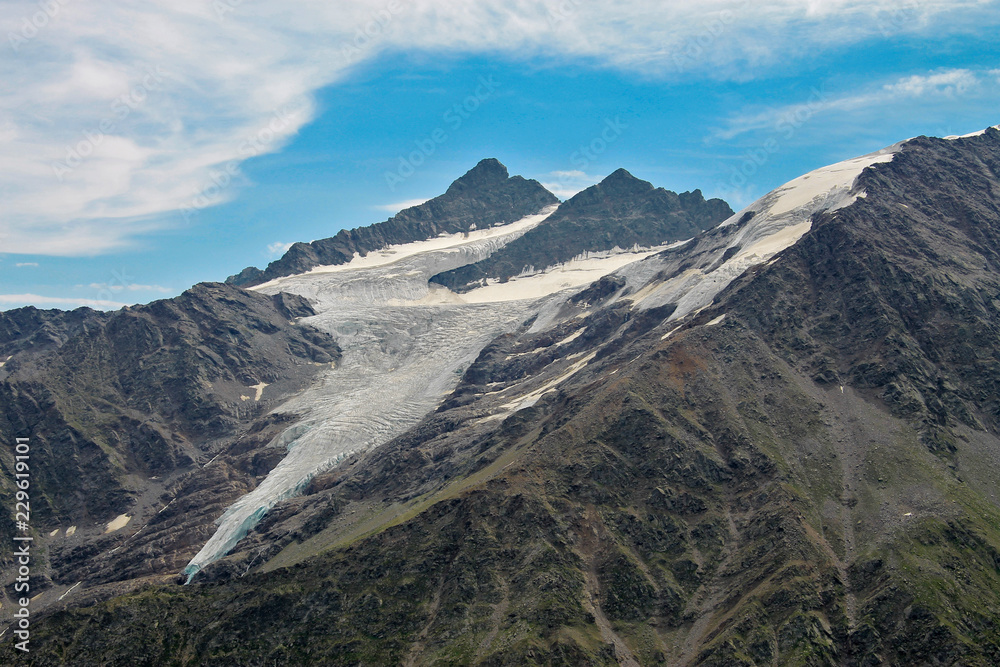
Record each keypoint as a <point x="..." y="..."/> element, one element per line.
<point x="631" y="428"/>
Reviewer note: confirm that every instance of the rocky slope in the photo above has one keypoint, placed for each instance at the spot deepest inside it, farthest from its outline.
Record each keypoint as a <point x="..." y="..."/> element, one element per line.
<point x="622" y="211"/>
<point x="124" y="409"/>
<point x="484" y="197"/>
<point x="775" y="444"/>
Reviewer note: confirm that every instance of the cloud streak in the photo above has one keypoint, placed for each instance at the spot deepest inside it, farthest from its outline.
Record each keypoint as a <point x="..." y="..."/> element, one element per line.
<point x="942" y="84"/>
<point x="399" y="206"/>
<point x="113" y="114"/>
<point x="278" y="248"/>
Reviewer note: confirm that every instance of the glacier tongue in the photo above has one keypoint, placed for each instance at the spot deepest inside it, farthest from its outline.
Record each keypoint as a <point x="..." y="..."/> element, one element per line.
<point x="401" y="357"/>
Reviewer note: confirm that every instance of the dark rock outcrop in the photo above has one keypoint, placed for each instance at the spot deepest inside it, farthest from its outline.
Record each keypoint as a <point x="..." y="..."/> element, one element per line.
<point x="622" y="211"/>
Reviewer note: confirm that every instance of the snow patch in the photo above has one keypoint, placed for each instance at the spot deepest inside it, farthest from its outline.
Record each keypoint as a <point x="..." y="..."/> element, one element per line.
<point x="531" y="398"/>
<point x="953" y="137"/>
<point x="669" y="333"/>
<point x="819" y="184"/>
<point x="569" y="339"/>
<point x="116" y="524"/>
<point x="717" y="320"/>
<point x="70" y="590"/>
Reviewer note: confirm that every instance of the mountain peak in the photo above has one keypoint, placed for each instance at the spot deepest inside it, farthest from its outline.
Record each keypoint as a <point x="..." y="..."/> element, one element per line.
<point x="620" y="174"/>
<point x="623" y="181"/>
<point x="488" y="172"/>
<point x="485" y="196"/>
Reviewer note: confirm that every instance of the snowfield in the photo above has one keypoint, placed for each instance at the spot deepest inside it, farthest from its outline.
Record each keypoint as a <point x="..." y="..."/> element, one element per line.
<point x="406" y="343"/>
<point x="780" y="219"/>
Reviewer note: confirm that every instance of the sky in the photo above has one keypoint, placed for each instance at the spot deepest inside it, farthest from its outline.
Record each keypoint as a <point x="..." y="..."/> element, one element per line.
<point x="148" y="146"/>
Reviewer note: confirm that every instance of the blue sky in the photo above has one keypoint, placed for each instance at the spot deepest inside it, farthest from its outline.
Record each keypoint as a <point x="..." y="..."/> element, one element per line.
<point x="147" y="148"/>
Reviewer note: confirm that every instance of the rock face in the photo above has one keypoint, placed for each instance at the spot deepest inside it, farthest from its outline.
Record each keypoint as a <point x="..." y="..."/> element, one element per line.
<point x="800" y="472"/>
<point x="121" y="408"/>
<point x="622" y="211"/>
<point x="30" y="328"/>
<point x="485" y="196"/>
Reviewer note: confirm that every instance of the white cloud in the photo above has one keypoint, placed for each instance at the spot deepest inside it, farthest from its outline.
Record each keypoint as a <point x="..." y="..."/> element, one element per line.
<point x="17" y="300"/>
<point x="917" y="87"/>
<point x="278" y="248"/>
<point x="565" y="184"/>
<point x="400" y="206"/>
<point x="948" y="82"/>
<point x="114" y="113"/>
<point x="21" y="265"/>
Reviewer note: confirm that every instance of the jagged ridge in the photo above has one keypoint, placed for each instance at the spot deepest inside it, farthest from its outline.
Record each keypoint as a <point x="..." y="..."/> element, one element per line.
<point x="486" y="196"/>
<point x="622" y="211"/>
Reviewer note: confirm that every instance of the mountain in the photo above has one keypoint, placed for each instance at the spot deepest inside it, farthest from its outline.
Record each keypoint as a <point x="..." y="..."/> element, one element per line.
<point x="484" y="197"/>
<point x="124" y="410"/>
<point x="774" y="443"/>
<point x="622" y="211"/>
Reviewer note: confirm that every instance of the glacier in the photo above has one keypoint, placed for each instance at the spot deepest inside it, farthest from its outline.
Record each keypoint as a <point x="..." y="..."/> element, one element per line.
<point x="406" y="343"/>
<point x="402" y="354"/>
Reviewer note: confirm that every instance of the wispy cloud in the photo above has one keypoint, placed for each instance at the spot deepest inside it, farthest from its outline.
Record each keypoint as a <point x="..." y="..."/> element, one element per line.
<point x="922" y="87"/>
<point x="565" y="184"/>
<point x="399" y="206"/>
<point x="112" y="114"/>
<point x="278" y="248"/>
<point x="948" y="82"/>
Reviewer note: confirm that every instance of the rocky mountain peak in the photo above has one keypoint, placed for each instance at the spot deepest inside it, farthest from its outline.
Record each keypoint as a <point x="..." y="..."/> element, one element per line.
<point x="488" y="173"/>
<point x="485" y="196"/>
<point x="618" y="190"/>
<point x="621" y="211"/>
<point x="621" y="180"/>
